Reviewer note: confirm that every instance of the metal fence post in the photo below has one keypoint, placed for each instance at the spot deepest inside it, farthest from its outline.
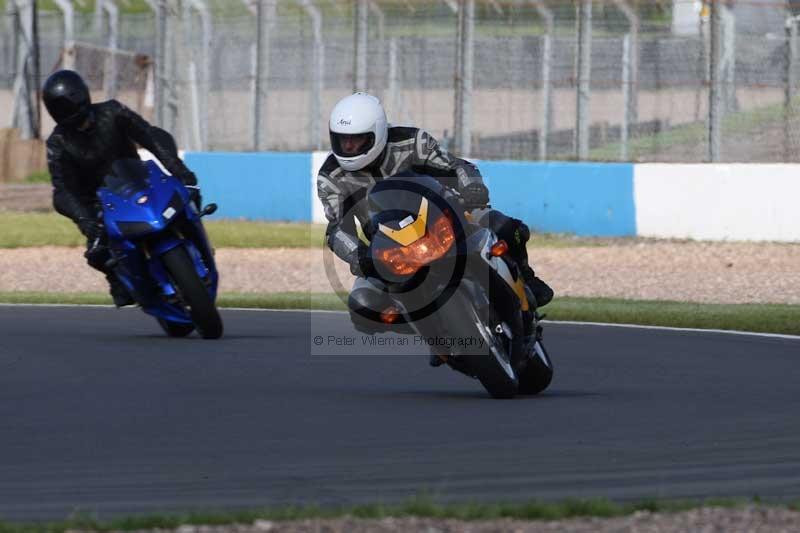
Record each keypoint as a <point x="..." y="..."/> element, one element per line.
<point x="584" y="95"/>
<point x="97" y="18"/>
<point x="169" y="102"/>
<point x="728" y="58"/>
<point x="715" y="92"/>
<point x="361" y="39"/>
<point x="790" y="78"/>
<point x="634" y="24"/>
<point x="23" y="118"/>
<point x="189" y="101"/>
<point x="393" y="82"/>
<point x="198" y="75"/>
<point x="703" y="63"/>
<point x="318" y="66"/>
<point x="110" y="74"/>
<point x="626" y="96"/>
<point x="630" y="75"/>
<point x="547" y="61"/>
<point x="37" y="75"/>
<point x="183" y="96"/>
<point x="10" y="38"/>
<point x="380" y="64"/>
<point x="464" y="74"/>
<point x="68" y="14"/>
<point x="457" y="85"/>
<point x="265" y="10"/>
<point x="159" y="9"/>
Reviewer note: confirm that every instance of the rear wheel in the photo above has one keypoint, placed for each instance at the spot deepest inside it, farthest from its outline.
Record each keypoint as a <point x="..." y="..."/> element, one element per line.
<point x="175" y="329"/>
<point x="194" y="293"/>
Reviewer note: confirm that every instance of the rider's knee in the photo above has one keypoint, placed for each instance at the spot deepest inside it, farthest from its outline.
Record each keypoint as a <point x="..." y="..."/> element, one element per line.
<point x="97" y="258"/>
<point x="512" y="230"/>
<point x="366" y="304"/>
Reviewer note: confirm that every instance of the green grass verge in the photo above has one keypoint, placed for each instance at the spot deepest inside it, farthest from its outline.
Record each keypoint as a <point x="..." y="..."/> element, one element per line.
<point x="280" y="300"/>
<point x="50" y="229"/>
<point x="739" y="123"/>
<point x="762" y="318"/>
<point x="421" y="507"/>
<point x="21" y="230"/>
<point x="42" y="176"/>
<point x="248" y="234"/>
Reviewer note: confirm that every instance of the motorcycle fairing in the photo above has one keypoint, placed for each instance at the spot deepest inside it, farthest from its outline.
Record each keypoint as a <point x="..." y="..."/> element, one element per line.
<point x="411" y="232"/>
<point x="161" y="203"/>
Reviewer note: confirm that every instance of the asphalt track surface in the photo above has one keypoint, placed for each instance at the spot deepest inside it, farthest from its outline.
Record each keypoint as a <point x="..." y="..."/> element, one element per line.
<point x="100" y="413"/>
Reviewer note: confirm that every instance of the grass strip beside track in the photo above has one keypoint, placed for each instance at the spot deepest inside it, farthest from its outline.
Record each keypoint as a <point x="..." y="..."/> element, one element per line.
<point x="420" y="507"/>
<point x="26" y="230"/>
<point x="741" y="123"/>
<point x="762" y="318"/>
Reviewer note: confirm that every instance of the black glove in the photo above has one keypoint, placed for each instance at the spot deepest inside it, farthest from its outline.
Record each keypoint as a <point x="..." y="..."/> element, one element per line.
<point x="362" y="265"/>
<point x="194" y="196"/>
<point x="187" y="177"/>
<point x="475" y="195"/>
<point x="91" y="228"/>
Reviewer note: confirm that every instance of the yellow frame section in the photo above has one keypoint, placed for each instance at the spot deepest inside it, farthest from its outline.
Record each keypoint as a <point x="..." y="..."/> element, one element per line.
<point x="411" y="233"/>
<point x="519" y="288"/>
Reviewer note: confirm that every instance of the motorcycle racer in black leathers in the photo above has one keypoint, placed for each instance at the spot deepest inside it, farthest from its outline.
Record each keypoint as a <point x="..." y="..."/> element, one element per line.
<point x="87" y="139"/>
<point x="365" y="149"/>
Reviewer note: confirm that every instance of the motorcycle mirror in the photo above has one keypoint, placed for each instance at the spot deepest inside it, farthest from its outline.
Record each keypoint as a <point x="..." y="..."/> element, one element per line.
<point x="210" y="209"/>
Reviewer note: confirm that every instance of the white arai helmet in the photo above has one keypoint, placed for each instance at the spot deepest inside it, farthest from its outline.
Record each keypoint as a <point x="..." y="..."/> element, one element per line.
<point x="358" y="131"/>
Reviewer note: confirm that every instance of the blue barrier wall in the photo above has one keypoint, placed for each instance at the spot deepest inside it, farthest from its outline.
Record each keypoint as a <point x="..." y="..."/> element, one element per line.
<point x="268" y="186"/>
<point x="581" y="198"/>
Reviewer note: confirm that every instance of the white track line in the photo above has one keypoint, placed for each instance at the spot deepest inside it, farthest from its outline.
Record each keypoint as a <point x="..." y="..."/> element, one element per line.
<point x="101" y="306"/>
<point x="669" y="328"/>
<point x="566" y="322"/>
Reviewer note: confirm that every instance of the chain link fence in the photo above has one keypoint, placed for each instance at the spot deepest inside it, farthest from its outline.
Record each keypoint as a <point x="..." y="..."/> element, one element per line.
<point x="673" y="81"/>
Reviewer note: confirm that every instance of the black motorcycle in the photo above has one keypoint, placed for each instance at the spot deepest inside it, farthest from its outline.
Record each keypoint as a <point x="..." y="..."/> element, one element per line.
<point x="452" y="281"/>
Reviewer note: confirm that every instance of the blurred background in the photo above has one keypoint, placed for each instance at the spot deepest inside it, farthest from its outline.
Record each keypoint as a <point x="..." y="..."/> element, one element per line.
<point x="618" y="80"/>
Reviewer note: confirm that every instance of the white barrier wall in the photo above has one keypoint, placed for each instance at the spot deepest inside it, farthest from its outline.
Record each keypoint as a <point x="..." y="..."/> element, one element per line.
<point x="741" y="202"/>
<point x="718" y="202"/>
<point x="317" y="211"/>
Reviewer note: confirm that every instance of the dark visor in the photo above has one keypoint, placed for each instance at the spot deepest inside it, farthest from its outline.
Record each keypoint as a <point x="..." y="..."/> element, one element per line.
<point x="351" y="145"/>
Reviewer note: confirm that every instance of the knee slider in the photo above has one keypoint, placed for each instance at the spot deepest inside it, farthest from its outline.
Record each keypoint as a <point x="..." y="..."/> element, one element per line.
<point x="365" y="307"/>
<point x="97" y="258"/>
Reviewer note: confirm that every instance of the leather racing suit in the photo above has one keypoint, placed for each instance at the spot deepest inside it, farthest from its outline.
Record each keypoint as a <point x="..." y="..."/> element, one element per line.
<point x="407" y="150"/>
<point x="79" y="159"/>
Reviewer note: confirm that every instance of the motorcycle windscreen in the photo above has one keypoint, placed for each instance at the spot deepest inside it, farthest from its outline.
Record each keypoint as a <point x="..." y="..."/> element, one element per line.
<point x="127" y="177"/>
<point x="401" y="192"/>
<point x="398" y="198"/>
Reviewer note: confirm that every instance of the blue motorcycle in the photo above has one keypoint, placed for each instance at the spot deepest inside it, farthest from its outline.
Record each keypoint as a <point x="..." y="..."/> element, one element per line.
<point x="159" y="248"/>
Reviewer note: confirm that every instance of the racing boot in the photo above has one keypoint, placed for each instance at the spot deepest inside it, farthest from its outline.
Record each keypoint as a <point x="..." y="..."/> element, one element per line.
<point x="542" y="295"/>
<point x="541" y="290"/>
<point x="119" y="293"/>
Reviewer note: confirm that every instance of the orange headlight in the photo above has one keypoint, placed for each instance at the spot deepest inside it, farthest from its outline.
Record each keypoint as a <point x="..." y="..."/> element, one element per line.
<point x="406" y="260"/>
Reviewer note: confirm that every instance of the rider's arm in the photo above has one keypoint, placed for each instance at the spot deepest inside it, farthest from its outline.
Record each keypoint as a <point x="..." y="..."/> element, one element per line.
<point x="64" y="175"/>
<point x="159" y="142"/>
<point x="341" y="235"/>
<point x="433" y="160"/>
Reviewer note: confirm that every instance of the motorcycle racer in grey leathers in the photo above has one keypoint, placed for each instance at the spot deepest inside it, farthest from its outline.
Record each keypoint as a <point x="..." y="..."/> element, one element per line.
<point x="365" y="150"/>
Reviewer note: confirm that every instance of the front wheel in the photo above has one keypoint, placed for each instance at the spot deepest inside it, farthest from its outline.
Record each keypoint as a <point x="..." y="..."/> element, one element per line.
<point x="489" y="363"/>
<point x="538" y="371"/>
<point x="175" y="329"/>
<point x="193" y="293"/>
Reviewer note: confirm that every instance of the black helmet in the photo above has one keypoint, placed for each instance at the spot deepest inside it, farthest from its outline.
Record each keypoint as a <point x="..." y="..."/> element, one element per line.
<point x="66" y="98"/>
